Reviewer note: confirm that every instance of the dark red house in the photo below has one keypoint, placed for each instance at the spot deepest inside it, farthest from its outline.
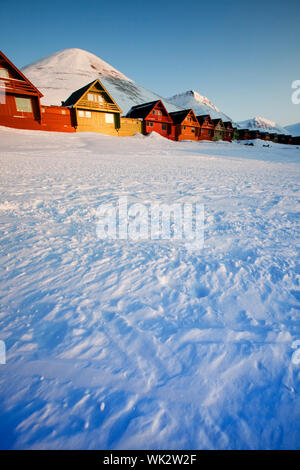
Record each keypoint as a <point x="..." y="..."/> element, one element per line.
<point x="20" y="105"/>
<point x="206" y="127"/>
<point x="155" y="118"/>
<point x="229" y="131"/>
<point x="186" y="125"/>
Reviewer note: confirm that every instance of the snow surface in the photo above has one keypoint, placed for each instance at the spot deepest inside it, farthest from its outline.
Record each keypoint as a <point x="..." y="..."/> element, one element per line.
<point x="293" y="129"/>
<point x="60" y="74"/>
<point x="262" y="124"/>
<point x="123" y="345"/>
<point x="200" y="104"/>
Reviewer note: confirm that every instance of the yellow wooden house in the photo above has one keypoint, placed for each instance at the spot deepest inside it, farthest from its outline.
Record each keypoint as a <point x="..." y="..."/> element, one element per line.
<point x="94" y="110"/>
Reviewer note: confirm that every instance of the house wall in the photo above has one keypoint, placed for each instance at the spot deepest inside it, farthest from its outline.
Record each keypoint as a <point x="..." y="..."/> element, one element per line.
<point x="130" y="126"/>
<point x="219" y="134"/>
<point x="206" y="133"/>
<point x="57" y="118"/>
<point x="11" y="117"/>
<point x="97" y="122"/>
<point x="187" y="133"/>
<point x="150" y="125"/>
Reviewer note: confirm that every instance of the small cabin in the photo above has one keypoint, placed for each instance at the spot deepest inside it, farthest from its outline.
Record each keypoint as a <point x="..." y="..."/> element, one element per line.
<point x="94" y="110"/>
<point x="206" y="127"/>
<point x="219" y="131"/>
<point x="186" y="125"/>
<point x="229" y="131"/>
<point x="19" y="99"/>
<point x="155" y="118"/>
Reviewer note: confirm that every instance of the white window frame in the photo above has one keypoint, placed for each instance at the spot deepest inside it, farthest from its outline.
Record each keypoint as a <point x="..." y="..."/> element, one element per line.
<point x="109" y="118"/>
<point x="22" y="104"/>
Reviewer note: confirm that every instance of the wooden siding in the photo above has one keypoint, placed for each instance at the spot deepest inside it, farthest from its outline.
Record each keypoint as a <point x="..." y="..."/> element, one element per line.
<point x="57" y="119"/>
<point x="130" y="126"/>
<point x="97" y="122"/>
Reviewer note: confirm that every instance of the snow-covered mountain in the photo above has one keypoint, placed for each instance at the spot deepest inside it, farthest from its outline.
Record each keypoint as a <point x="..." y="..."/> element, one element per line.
<point x="60" y="74"/>
<point x="200" y="104"/>
<point x="262" y="124"/>
<point x="293" y="129"/>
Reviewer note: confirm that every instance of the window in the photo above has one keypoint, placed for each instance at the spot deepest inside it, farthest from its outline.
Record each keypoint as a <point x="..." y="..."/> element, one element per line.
<point x="164" y="127"/>
<point x="193" y="129"/>
<point x="86" y="114"/>
<point x="184" y="128"/>
<point x="43" y="110"/>
<point x="90" y="97"/>
<point x="109" y="118"/>
<point x="159" y="113"/>
<point x="4" y="73"/>
<point x="154" y="112"/>
<point x="63" y="111"/>
<point x="100" y="98"/>
<point x="149" y="123"/>
<point x="23" y="105"/>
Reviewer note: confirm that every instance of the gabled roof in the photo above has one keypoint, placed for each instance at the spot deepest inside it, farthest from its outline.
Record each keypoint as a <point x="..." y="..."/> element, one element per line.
<point x="5" y="59"/>
<point x="216" y="121"/>
<point x="143" y="110"/>
<point x="203" y="117"/>
<point x="179" y="116"/>
<point x="75" y="97"/>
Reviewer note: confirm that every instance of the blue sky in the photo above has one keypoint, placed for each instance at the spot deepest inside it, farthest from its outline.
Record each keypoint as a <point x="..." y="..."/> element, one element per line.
<point x="242" y="55"/>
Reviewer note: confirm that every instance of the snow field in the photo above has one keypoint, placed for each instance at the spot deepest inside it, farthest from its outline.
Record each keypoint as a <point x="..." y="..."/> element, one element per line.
<point x="122" y="344"/>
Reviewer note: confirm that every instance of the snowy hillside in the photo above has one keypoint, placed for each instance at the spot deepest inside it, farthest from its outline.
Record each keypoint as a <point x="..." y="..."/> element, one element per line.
<point x="262" y="124"/>
<point x="293" y="129"/>
<point x="60" y="74"/>
<point x="200" y="104"/>
<point x="115" y="344"/>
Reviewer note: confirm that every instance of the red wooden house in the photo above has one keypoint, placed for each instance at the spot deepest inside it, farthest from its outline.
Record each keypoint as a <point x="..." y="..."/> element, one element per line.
<point x="19" y="98"/>
<point x="155" y="118"/>
<point x="206" y="127"/>
<point x="20" y="105"/>
<point x="229" y="131"/>
<point x="186" y="125"/>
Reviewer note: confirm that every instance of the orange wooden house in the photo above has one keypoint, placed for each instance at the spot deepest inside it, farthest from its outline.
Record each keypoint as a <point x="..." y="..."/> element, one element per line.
<point x="155" y="118"/>
<point x="20" y="105"/>
<point x="186" y="125"/>
<point x="206" y="127"/>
